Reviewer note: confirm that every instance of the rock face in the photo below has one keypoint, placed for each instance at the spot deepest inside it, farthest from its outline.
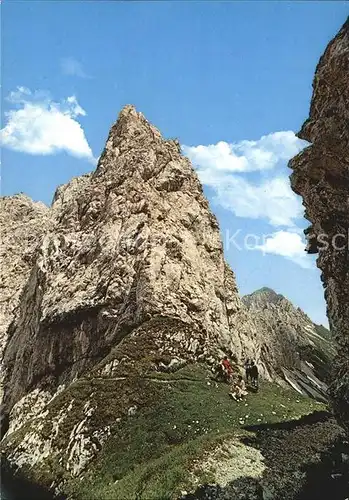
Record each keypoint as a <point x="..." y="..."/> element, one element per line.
<point x="129" y="275"/>
<point x="321" y="176"/>
<point x="22" y="224"/>
<point x="290" y="347"/>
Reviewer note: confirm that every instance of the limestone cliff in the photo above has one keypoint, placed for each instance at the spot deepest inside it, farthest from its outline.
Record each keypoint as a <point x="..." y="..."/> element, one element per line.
<point x="321" y="176"/>
<point x="289" y="346"/>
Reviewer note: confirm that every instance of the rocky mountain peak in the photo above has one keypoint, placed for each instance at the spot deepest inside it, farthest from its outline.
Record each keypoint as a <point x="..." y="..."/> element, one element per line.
<point x="132" y="243"/>
<point x="133" y="126"/>
<point x="133" y="134"/>
<point x="262" y="296"/>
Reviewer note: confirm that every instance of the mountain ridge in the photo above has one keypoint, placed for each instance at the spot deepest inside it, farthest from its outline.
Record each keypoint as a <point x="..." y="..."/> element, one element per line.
<point x="302" y="351"/>
<point x="270" y="295"/>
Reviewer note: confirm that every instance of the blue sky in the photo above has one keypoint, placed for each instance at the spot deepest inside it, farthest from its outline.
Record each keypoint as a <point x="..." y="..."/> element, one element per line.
<point x="218" y="76"/>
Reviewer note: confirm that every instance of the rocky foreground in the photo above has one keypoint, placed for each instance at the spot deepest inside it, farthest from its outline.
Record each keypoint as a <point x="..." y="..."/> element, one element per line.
<point x="191" y="441"/>
<point x="117" y="304"/>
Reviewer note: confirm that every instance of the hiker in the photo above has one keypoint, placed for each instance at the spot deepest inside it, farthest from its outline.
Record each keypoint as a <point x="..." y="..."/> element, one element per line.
<point x="248" y="369"/>
<point x="254" y="374"/>
<point x="227" y="368"/>
<point x="218" y="374"/>
<point x="238" y="390"/>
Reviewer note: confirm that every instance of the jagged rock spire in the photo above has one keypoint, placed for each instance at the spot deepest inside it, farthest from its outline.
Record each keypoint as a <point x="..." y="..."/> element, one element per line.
<point x="134" y="240"/>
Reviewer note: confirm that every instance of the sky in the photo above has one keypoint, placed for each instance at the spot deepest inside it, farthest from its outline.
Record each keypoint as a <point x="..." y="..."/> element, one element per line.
<point x="231" y="80"/>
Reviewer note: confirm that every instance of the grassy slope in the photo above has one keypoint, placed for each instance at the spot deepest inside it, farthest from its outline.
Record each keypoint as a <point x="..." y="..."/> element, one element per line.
<point x="149" y="454"/>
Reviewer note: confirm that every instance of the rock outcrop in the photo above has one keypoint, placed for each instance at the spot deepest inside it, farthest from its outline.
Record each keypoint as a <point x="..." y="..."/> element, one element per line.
<point x="290" y="347"/>
<point x="321" y="176"/>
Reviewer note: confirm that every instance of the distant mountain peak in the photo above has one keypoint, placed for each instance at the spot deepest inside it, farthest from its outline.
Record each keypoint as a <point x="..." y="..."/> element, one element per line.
<point x="264" y="295"/>
<point x="290" y="342"/>
<point x="265" y="289"/>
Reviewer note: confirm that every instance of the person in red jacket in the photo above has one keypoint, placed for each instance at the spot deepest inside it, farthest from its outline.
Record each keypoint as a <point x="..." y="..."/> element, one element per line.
<point x="227" y="368"/>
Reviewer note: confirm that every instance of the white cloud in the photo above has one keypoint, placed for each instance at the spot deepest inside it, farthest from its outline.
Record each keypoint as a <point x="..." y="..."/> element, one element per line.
<point x="43" y="127"/>
<point x="72" y="67"/>
<point x="250" y="178"/>
<point x="288" y="244"/>
<point x="271" y="199"/>
<point x="246" y="156"/>
<point x="222" y="167"/>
